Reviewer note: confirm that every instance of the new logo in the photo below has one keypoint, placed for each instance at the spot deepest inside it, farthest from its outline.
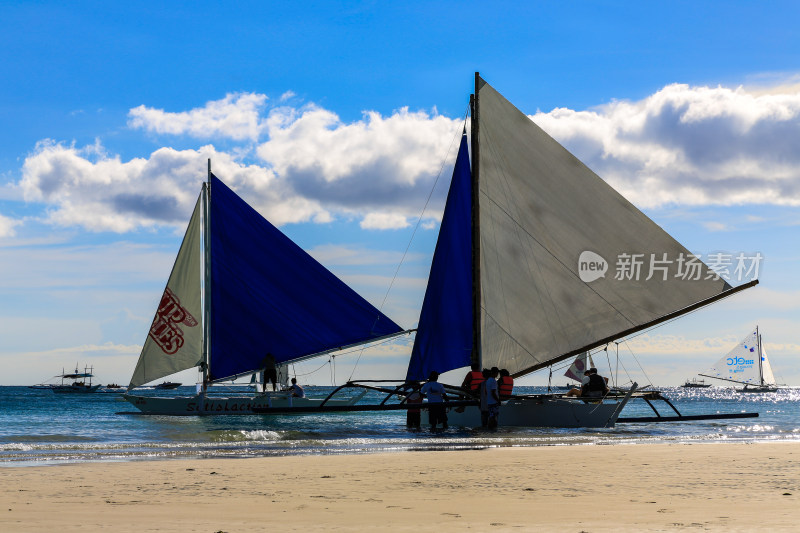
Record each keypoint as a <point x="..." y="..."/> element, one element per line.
<point x="591" y="266"/>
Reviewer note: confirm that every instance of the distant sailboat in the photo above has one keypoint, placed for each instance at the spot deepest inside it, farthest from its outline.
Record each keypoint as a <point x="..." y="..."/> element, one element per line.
<point x="746" y="364"/>
<point x="241" y="289"/>
<point x="504" y="288"/>
<point x="581" y="364"/>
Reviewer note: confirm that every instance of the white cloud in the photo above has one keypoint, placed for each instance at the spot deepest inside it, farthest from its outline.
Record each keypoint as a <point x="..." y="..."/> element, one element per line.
<point x="366" y="165"/>
<point x="384" y="221"/>
<point x="7" y="226"/>
<point x="85" y="187"/>
<point x="680" y="146"/>
<point x="236" y="116"/>
<point x="690" y="145"/>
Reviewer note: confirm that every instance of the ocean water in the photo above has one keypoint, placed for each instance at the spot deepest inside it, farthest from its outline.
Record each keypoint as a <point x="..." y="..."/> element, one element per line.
<point x="38" y="427"/>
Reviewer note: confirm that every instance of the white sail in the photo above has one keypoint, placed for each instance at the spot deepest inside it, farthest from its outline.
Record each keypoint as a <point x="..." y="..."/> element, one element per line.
<point x="740" y="364"/>
<point x="766" y="369"/>
<point x="175" y="339"/>
<point x="541" y="210"/>
<point x="581" y="364"/>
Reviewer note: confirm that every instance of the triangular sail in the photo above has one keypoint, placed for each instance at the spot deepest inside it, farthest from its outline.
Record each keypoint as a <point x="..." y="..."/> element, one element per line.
<point x="581" y="364"/>
<point x="269" y="296"/>
<point x="766" y="369"/>
<point x="175" y="339"/>
<point x="741" y="363"/>
<point x="444" y="334"/>
<point x="540" y="209"/>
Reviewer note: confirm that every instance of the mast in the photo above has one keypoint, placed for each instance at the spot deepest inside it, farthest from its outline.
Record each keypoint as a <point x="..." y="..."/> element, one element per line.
<point x="206" y="276"/>
<point x="476" y="235"/>
<point x="760" y="358"/>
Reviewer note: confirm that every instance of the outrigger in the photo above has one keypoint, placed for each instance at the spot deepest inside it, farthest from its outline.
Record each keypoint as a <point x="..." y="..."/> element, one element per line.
<point x="394" y="399"/>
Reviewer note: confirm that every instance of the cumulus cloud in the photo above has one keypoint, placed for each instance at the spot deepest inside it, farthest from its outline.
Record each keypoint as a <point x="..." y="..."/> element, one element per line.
<point x="366" y="165"/>
<point x="237" y="116"/>
<point x="85" y="187"/>
<point x="680" y="146"/>
<point x="7" y="226"/>
<point x="384" y="221"/>
<point x="690" y="145"/>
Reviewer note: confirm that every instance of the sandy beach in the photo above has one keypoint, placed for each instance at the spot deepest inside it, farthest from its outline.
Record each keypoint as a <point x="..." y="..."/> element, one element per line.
<point x="650" y="487"/>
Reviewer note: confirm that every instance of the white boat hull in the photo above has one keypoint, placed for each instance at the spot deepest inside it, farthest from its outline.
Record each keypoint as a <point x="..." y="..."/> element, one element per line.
<point x="221" y="405"/>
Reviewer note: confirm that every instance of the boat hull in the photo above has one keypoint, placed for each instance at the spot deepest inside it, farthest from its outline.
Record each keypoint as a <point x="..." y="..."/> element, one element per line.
<point x="758" y="389"/>
<point x="220" y="405"/>
<point x="74" y="389"/>
<point x="544" y="412"/>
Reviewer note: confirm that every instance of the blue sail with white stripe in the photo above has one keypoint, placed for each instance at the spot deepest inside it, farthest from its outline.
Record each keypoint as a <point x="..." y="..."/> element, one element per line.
<point x="444" y="334"/>
<point x="269" y="296"/>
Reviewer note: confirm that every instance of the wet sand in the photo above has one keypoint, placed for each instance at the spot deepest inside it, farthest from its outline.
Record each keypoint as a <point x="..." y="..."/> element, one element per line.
<point x="643" y="487"/>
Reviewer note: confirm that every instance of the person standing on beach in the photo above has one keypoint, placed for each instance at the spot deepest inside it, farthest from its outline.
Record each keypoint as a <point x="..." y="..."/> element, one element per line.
<point x="270" y="372"/>
<point x="490" y="400"/>
<point x="505" y="385"/>
<point x="435" y="393"/>
<point x="413" y="398"/>
<point x="473" y="379"/>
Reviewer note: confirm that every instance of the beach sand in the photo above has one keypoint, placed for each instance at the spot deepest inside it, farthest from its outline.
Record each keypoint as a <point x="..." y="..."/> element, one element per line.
<point x="643" y="487"/>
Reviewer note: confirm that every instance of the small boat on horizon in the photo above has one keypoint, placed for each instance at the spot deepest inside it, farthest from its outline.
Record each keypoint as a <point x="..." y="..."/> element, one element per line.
<point x="746" y="364"/>
<point x="695" y="383"/>
<point x="73" y="382"/>
<point x="168" y="385"/>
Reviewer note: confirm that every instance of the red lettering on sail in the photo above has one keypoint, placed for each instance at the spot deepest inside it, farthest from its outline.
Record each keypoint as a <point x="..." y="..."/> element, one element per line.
<point x="166" y="329"/>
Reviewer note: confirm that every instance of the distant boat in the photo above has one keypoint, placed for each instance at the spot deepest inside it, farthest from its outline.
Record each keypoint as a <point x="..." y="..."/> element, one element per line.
<point x="168" y="385"/>
<point x="747" y="364"/>
<point x="695" y="383"/>
<point x="76" y="382"/>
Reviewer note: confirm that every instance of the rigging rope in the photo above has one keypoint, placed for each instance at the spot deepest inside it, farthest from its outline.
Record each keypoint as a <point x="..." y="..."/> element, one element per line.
<point x="416" y="227"/>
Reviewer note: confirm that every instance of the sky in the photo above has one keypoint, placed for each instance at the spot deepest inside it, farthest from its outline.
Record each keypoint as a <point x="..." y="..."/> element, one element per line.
<point x="337" y="120"/>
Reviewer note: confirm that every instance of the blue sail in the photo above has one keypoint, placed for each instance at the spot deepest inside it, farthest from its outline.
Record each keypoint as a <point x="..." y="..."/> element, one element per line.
<point x="444" y="333"/>
<point x="269" y="296"/>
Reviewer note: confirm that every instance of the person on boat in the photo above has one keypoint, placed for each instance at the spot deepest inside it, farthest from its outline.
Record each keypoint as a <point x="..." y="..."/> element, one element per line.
<point x="576" y="391"/>
<point x="270" y="372"/>
<point x="505" y="385"/>
<point x="490" y="400"/>
<point x="595" y="387"/>
<point x="413" y="398"/>
<point x="296" y="390"/>
<point x="435" y="393"/>
<point x="473" y="379"/>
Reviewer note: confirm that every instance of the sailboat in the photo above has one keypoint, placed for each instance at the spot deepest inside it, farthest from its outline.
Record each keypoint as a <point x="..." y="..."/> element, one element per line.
<point x="581" y="364"/>
<point x="518" y="278"/>
<point x="239" y="290"/>
<point x="746" y="364"/>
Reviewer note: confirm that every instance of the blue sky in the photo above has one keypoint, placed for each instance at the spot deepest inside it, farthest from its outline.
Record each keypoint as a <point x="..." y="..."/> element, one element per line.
<point x="334" y="119"/>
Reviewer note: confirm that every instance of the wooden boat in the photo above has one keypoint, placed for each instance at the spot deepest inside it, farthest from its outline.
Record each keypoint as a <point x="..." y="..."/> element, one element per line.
<point x="695" y="383"/>
<point x="518" y="278"/>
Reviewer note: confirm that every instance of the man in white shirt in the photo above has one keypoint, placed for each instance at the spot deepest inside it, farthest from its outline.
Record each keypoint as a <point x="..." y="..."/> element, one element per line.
<point x="296" y="390"/>
<point x="435" y="393"/>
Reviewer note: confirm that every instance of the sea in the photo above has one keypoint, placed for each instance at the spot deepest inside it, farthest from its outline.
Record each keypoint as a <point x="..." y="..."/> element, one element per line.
<point x="39" y="427"/>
